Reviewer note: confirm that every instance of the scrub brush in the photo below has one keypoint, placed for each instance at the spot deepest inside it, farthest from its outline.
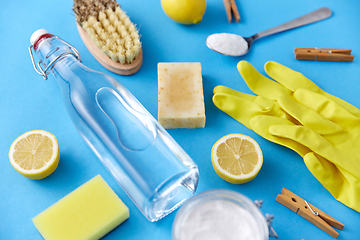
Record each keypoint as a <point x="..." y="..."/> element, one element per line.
<point x="109" y="35"/>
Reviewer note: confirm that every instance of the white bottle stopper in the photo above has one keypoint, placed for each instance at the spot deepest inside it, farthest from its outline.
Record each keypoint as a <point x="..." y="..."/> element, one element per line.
<point x="35" y="36"/>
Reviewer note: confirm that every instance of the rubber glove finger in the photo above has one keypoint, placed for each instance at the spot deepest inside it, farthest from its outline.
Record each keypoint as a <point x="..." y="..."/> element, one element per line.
<point x="240" y="109"/>
<point x="269" y="107"/>
<point x="260" y="84"/>
<point x="349" y="107"/>
<point x="227" y="90"/>
<point x="341" y="184"/>
<point x="326" y="108"/>
<point x="318" y="144"/>
<point x="304" y="136"/>
<point x="261" y="124"/>
<point x="289" y="78"/>
<point x="294" y="80"/>
<point x="308" y="117"/>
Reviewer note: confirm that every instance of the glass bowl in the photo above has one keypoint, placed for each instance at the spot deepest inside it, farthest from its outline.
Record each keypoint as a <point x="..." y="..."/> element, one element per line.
<point x="218" y="215"/>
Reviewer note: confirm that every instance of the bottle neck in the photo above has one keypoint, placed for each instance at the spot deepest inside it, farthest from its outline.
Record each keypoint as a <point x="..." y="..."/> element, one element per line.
<point x="54" y="54"/>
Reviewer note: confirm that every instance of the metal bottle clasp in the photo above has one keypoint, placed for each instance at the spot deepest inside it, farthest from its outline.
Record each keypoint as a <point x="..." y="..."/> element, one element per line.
<point x="269" y="219"/>
<point x="44" y="72"/>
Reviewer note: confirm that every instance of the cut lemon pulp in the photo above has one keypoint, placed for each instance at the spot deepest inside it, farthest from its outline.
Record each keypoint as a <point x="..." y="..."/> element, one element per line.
<point x="35" y="154"/>
<point x="236" y="158"/>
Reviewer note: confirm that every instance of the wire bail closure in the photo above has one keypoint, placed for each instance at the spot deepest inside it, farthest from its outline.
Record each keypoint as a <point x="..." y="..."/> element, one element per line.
<point x="269" y="219"/>
<point x="44" y="72"/>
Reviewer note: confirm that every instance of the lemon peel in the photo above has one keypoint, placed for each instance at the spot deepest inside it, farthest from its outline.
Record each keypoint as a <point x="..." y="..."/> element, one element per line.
<point x="184" y="11"/>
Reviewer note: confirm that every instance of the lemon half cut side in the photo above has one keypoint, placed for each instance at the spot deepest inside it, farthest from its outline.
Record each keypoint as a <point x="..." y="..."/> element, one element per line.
<point x="236" y="158"/>
<point x="35" y="154"/>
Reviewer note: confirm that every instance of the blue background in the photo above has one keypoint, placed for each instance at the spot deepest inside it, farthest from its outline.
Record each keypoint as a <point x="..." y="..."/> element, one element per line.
<point x="28" y="102"/>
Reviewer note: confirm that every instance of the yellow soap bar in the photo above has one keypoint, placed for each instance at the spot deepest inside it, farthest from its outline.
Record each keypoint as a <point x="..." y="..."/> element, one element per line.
<point x="181" y="98"/>
<point x="89" y="212"/>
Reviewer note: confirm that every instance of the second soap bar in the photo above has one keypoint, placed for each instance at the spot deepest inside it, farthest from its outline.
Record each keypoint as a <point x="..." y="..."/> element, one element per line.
<point x="181" y="98"/>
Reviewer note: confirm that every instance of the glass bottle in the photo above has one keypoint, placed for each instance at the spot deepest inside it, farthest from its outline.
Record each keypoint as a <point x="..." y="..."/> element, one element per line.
<point x="149" y="165"/>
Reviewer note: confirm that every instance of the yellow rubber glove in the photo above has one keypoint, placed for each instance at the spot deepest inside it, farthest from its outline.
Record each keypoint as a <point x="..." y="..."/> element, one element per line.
<point x="244" y="107"/>
<point x="326" y="130"/>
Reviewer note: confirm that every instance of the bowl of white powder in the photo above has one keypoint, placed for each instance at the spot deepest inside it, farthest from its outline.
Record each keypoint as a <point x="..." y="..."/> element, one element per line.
<point x="220" y="215"/>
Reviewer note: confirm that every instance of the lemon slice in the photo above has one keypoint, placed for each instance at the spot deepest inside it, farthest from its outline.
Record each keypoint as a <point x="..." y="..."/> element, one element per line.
<point x="35" y="154"/>
<point x="236" y="158"/>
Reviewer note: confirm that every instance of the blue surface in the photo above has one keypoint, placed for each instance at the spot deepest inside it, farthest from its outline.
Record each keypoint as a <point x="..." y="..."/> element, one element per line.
<point x="28" y="102"/>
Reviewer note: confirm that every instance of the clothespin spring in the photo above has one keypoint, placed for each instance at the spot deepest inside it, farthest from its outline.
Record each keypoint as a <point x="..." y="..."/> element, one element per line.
<point x="315" y="213"/>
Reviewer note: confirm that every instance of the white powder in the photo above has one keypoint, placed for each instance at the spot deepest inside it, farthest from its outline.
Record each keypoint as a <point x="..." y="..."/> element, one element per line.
<point x="219" y="220"/>
<point x="227" y="44"/>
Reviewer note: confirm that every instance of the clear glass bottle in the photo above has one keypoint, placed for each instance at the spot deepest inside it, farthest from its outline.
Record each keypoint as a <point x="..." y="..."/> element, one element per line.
<point x="150" y="166"/>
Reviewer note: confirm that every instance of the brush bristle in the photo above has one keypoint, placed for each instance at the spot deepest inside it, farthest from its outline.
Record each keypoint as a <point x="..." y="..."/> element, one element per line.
<point x="110" y="28"/>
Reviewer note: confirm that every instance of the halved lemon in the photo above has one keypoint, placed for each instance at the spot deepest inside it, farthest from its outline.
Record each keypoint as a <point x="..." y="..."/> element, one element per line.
<point x="236" y="158"/>
<point x="35" y="154"/>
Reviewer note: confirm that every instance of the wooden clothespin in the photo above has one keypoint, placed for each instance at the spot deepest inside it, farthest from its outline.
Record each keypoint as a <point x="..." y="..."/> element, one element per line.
<point x="309" y="212"/>
<point x="324" y="54"/>
<point x="230" y="7"/>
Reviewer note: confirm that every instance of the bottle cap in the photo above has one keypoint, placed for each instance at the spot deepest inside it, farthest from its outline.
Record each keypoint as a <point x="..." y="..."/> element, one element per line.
<point x="35" y="36"/>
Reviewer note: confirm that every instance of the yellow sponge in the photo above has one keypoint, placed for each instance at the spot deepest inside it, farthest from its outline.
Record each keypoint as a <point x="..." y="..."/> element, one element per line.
<point x="89" y="212"/>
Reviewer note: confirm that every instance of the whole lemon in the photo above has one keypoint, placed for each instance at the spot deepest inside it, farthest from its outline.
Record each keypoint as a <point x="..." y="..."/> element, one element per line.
<point x="184" y="11"/>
